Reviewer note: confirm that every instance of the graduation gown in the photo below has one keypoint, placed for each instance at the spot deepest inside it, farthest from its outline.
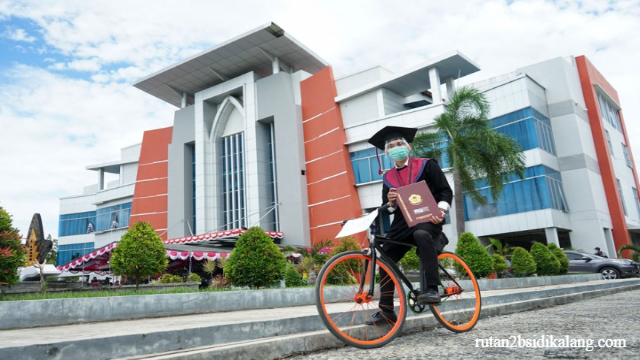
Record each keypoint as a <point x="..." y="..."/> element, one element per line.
<point x="417" y="169"/>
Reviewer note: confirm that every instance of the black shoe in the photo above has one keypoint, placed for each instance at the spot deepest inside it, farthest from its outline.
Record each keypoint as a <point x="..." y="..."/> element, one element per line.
<point x="429" y="297"/>
<point x="382" y="317"/>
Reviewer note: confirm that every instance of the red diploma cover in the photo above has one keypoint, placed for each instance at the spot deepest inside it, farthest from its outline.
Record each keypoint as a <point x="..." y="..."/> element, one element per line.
<point x="417" y="203"/>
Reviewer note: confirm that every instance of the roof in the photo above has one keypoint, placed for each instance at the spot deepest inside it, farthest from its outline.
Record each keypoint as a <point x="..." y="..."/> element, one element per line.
<point x="240" y="55"/>
<point x="416" y="79"/>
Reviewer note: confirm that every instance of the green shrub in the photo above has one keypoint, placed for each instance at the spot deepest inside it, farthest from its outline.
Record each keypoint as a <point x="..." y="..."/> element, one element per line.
<point x="410" y="261"/>
<point x="11" y="251"/>
<point x="255" y="261"/>
<point x="292" y="277"/>
<point x="171" y="279"/>
<point x="499" y="264"/>
<point x="546" y="262"/>
<point x="347" y="243"/>
<point x="561" y="256"/>
<point x="139" y="254"/>
<point x="476" y="256"/>
<point x="522" y="262"/>
<point x="193" y="277"/>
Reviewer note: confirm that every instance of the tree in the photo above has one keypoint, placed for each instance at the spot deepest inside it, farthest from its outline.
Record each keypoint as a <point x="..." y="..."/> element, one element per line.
<point x="313" y="258"/>
<point x="478" y="259"/>
<point x="561" y="256"/>
<point x="52" y="256"/>
<point x="11" y="252"/>
<point x="139" y="254"/>
<point x="635" y="254"/>
<point x="499" y="264"/>
<point x="255" y="261"/>
<point x="474" y="149"/>
<point x="503" y="250"/>
<point x="522" y="262"/>
<point x="546" y="262"/>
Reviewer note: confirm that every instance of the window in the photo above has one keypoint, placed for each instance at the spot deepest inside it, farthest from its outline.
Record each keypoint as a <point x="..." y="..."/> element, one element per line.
<point x="365" y="165"/>
<point x="192" y="152"/>
<point x="233" y="191"/>
<point x="624" y="206"/>
<point x="113" y="217"/>
<point x="274" y="215"/>
<point x="627" y="158"/>
<point x="530" y="128"/>
<point x="77" y="224"/>
<point x="67" y="253"/>
<point x="540" y="189"/>
<point x="637" y="201"/>
<point x="609" y="112"/>
<point x="606" y="132"/>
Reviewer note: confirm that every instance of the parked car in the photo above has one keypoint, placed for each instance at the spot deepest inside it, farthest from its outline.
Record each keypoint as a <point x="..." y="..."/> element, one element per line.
<point x="580" y="262"/>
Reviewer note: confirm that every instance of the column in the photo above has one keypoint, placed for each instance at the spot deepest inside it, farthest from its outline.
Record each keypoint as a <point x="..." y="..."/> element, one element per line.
<point x="434" y="79"/>
<point x="451" y="88"/>
<point x="552" y="236"/>
<point x="100" y="179"/>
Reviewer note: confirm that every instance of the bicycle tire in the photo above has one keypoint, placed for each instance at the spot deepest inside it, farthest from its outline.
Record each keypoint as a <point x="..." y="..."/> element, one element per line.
<point x="344" y="312"/>
<point x="460" y="309"/>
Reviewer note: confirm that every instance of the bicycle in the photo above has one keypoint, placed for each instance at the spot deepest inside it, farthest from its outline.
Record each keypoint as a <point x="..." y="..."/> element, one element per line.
<point x="348" y="290"/>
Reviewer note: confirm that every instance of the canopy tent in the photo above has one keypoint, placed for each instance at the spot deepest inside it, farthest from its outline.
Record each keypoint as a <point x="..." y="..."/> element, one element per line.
<point x="98" y="260"/>
<point x="221" y="235"/>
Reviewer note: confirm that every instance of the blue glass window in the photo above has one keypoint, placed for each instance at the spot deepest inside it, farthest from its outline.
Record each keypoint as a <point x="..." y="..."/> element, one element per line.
<point x="66" y="253"/>
<point x="113" y="217"/>
<point x="540" y="189"/>
<point x="233" y="190"/>
<point x="76" y="224"/>
<point x="528" y="127"/>
<point x="365" y="165"/>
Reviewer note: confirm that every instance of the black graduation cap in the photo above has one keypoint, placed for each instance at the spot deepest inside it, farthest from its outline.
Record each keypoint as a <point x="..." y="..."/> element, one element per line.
<point x="387" y="133"/>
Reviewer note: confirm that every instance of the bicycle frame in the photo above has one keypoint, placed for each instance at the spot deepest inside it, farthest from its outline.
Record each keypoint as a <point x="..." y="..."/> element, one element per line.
<point x="373" y="246"/>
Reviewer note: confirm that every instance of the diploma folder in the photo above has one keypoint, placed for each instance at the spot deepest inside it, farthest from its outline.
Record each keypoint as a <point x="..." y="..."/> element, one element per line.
<point x="417" y="203"/>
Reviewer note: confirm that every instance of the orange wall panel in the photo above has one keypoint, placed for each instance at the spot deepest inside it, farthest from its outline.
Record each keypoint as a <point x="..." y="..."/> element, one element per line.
<point x="589" y="76"/>
<point x="328" y="166"/>
<point x="318" y="98"/>
<point x="332" y="188"/>
<point x="153" y="171"/>
<point x="150" y="204"/>
<point x="151" y="180"/>
<point x="325" y="145"/>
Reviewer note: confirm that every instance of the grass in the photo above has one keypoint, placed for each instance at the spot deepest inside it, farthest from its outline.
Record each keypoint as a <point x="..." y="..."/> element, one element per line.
<point x="102" y="293"/>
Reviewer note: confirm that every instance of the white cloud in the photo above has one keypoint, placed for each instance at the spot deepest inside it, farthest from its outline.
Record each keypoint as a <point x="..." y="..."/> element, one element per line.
<point x="17" y="35"/>
<point x="118" y="42"/>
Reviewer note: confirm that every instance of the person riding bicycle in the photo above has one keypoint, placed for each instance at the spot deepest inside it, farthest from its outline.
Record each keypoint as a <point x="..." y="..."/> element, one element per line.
<point x="395" y="142"/>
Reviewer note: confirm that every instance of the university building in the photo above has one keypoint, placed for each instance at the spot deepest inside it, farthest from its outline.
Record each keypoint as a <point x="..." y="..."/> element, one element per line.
<point x="265" y="135"/>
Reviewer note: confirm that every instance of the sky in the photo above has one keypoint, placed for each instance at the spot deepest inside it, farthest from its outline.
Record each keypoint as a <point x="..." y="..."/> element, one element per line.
<point x="67" y="67"/>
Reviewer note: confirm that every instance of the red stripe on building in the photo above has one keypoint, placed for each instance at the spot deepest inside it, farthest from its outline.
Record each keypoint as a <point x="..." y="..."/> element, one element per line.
<point x="151" y="180"/>
<point x="324" y="135"/>
<point x="589" y="77"/>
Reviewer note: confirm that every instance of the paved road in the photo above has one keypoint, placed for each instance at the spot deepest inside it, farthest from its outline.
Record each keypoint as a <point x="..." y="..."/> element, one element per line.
<point x="612" y="317"/>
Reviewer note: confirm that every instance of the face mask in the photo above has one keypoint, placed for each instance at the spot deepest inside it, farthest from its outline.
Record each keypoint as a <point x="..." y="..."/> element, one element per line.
<point x="399" y="153"/>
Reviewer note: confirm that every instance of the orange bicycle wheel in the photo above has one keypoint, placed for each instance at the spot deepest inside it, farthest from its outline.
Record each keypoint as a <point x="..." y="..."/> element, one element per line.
<point x="461" y="299"/>
<point x="345" y="308"/>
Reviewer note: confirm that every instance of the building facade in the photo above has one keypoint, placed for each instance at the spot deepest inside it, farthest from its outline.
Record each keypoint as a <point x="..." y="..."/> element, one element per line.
<point x="266" y="136"/>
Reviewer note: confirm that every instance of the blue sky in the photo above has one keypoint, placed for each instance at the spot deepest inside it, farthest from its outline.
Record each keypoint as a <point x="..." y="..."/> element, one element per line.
<point x="66" y="67"/>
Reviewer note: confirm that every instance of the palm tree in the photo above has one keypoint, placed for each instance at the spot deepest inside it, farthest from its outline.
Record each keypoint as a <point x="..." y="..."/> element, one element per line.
<point x="312" y="258"/>
<point x="474" y="149"/>
<point x="635" y="255"/>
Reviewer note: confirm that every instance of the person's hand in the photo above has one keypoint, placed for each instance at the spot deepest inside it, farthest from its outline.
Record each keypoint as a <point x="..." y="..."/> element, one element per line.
<point x="392" y="196"/>
<point x="437" y="219"/>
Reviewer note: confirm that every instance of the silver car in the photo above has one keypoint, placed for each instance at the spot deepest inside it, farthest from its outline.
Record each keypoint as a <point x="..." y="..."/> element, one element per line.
<point x="580" y="262"/>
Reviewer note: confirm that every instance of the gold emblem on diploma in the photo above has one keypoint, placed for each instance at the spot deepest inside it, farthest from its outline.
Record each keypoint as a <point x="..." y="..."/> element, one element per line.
<point x="415" y="199"/>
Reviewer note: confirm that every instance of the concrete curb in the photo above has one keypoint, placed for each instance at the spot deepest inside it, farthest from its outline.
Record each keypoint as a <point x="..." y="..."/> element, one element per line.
<point x="284" y="346"/>
<point x="34" y="313"/>
<point x="204" y="335"/>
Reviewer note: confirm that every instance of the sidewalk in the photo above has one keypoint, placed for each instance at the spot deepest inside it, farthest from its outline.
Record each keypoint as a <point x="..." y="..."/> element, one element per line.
<point x="239" y="332"/>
